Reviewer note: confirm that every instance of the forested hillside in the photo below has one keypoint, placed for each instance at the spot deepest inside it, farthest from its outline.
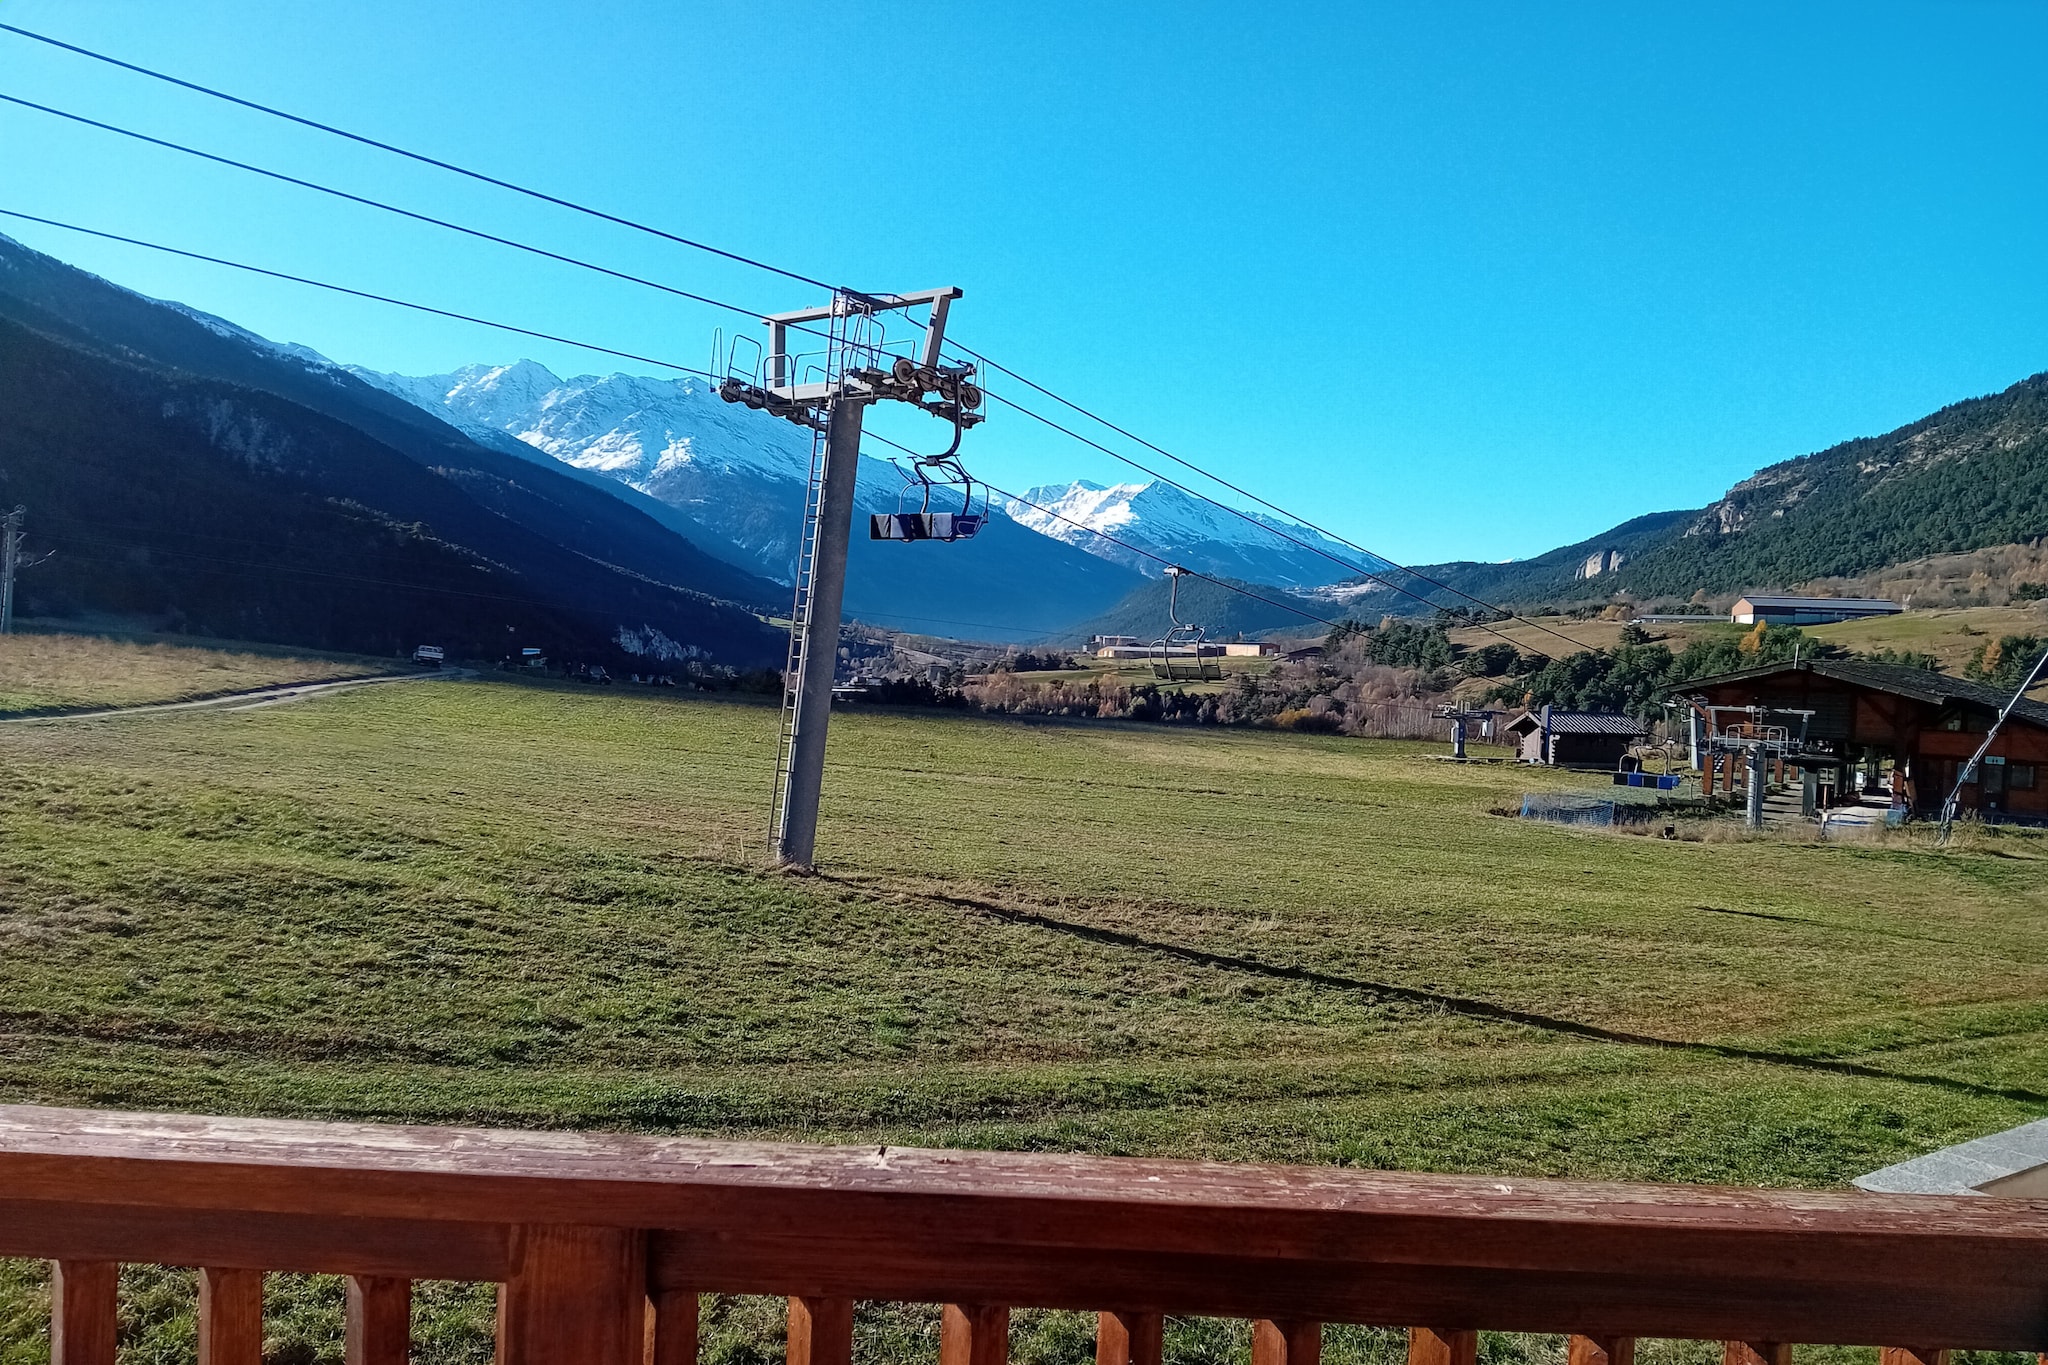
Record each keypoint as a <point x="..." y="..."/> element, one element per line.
<point x="1972" y="475"/>
<point x="194" y="478"/>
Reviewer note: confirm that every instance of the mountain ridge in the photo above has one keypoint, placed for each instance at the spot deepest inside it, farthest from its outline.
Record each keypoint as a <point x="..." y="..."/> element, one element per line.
<point x="1164" y="523"/>
<point x="322" y="475"/>
<point x="1971" y="475"/>
<point x="736" y="480"/>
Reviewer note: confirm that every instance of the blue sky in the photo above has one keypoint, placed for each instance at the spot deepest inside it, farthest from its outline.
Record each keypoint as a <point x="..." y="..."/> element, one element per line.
<point x="1457" y="281"/>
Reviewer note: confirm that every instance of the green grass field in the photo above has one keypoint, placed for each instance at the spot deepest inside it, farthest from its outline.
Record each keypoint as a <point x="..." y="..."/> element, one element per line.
<point x="507" y="903"/>
<point x="1953" y="634"/>
<point x="41" y="672"/>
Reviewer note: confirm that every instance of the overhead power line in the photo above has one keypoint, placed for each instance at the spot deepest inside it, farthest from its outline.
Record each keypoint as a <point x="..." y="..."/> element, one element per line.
<point x="755" y="262"/>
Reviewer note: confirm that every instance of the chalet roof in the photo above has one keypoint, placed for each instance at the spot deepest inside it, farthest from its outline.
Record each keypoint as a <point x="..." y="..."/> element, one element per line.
<point x="1920" y="684"/>
<point x="1578" y="723"/>
<point x="1821" y="603"/>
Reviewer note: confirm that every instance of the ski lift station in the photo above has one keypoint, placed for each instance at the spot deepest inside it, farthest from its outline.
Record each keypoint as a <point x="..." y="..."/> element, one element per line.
<point x="1909" y="731"/>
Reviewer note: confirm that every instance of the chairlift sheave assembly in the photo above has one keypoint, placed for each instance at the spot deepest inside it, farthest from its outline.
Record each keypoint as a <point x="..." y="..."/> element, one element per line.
<point x="1181" y="655"/>
<point x="870" y="369"/>
<point x="959" y="399"/>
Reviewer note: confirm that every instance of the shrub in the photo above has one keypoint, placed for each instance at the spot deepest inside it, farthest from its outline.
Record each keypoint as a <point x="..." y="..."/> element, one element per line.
<point x="1904" y="658"/>
<point x="2005" y="662"/>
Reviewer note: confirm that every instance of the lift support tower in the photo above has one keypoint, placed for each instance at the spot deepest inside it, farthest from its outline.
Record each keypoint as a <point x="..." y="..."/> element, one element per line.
<point x="828" y="390"/>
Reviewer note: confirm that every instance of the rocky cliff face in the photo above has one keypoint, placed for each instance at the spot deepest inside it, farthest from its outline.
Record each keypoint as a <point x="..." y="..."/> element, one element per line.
<point x="1980" y="428"/>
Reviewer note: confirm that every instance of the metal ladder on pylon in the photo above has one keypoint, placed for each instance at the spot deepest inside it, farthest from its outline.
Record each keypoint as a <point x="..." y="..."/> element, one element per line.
<point x="836" y="350"/>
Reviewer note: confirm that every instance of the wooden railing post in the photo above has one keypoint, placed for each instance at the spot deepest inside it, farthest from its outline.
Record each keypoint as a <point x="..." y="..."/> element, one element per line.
<point x="1442" y="1346"/>
<point x="1129" y="1339"/>
<point x="576" y="1296"/>
<point x="230" y="1317"/>
<point x="1912" y="1355"/>
<point x="83" y="1312"/>
<point x="1756" y="1353"/>
<point x="820" y="1332"/>
<point x="672" y="1327"/>
<point x="1286" y="1341"/>
<point x="974" y="1334"/>
<point x="378" y="1328"/>
<point x="1601" y="1351"/>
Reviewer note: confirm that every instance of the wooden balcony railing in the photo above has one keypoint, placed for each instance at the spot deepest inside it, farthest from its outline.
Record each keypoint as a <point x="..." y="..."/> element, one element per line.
<point x="602" y="1243"/>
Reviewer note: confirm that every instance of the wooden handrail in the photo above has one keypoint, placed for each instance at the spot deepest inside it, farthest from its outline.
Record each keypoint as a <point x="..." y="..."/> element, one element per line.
<point x="585" y="1230"/>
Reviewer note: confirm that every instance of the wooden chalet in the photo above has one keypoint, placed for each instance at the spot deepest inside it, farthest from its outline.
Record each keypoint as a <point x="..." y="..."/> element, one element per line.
<point x="1910" y="726"/>
<point x="1574" y="739"/>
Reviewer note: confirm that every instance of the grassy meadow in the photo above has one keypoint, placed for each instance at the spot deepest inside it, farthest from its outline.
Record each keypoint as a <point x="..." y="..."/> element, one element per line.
<point x="1952" y="635"/>
<point x="45" y="673"/>
<point x="512" y="903"/>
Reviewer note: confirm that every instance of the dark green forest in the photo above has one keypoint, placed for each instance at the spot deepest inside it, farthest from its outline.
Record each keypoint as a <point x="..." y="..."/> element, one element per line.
<point x="1972" y="475"/>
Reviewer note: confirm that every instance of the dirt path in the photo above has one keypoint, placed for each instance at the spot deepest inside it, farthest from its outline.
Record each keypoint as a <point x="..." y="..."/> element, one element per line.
<point x="252" y="700"/>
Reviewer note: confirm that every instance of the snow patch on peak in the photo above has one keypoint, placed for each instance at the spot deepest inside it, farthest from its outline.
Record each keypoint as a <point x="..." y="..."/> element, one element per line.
<point x="292" y="350"/>
<point x="655" y="435"/>
<point x="1157" y="519"/>
<point x="502" y="387"/>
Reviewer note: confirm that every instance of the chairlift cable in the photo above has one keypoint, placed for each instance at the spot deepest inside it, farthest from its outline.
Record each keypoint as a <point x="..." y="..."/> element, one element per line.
<point x="1388" y="583"/>
<point x="421" y="157"/>
<point x="1134" y="549"/>
<point x="745" y="260"/>
<point x="371" y="202"/>
<point x="357" y="293"/>
<point x="1242" y="515"/>
<point x="736" y="256"/>
<point x="605" y="350"/>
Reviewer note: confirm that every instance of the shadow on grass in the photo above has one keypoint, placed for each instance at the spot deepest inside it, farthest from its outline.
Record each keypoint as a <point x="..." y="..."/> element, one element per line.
<point x="1471" y="1008"/>
<point x="1870" y="930"/>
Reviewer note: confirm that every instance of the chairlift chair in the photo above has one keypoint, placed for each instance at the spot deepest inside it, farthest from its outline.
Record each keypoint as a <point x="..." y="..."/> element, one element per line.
<point x="1178" y="655"/>
<point x="927" y="474"/>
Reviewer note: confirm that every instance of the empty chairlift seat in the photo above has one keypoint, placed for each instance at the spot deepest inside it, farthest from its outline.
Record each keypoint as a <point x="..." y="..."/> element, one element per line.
<point x="924" y="525"/>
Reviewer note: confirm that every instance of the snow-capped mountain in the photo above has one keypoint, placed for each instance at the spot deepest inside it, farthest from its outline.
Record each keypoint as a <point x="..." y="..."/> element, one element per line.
<point x="735" y="479"/>
<point x="739" y="477"/>
<point x="1161" y="519"/>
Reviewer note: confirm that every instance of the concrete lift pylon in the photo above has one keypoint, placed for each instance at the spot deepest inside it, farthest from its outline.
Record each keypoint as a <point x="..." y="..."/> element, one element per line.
<point x="856" y="369"/>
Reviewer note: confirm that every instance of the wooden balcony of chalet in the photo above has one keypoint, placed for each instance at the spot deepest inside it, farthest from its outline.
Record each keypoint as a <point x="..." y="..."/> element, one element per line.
<point x="602" y="1243"/>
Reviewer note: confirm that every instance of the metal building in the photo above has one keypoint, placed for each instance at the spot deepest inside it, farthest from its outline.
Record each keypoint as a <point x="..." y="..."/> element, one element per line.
<point x="1808" y="611"/>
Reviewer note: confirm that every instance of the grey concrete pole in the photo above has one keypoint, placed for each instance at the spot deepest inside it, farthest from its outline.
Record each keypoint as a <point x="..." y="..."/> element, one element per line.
<point x="1754" y="816"/>
<point x="796" y="840"/>
<point x="10" y="560"/>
